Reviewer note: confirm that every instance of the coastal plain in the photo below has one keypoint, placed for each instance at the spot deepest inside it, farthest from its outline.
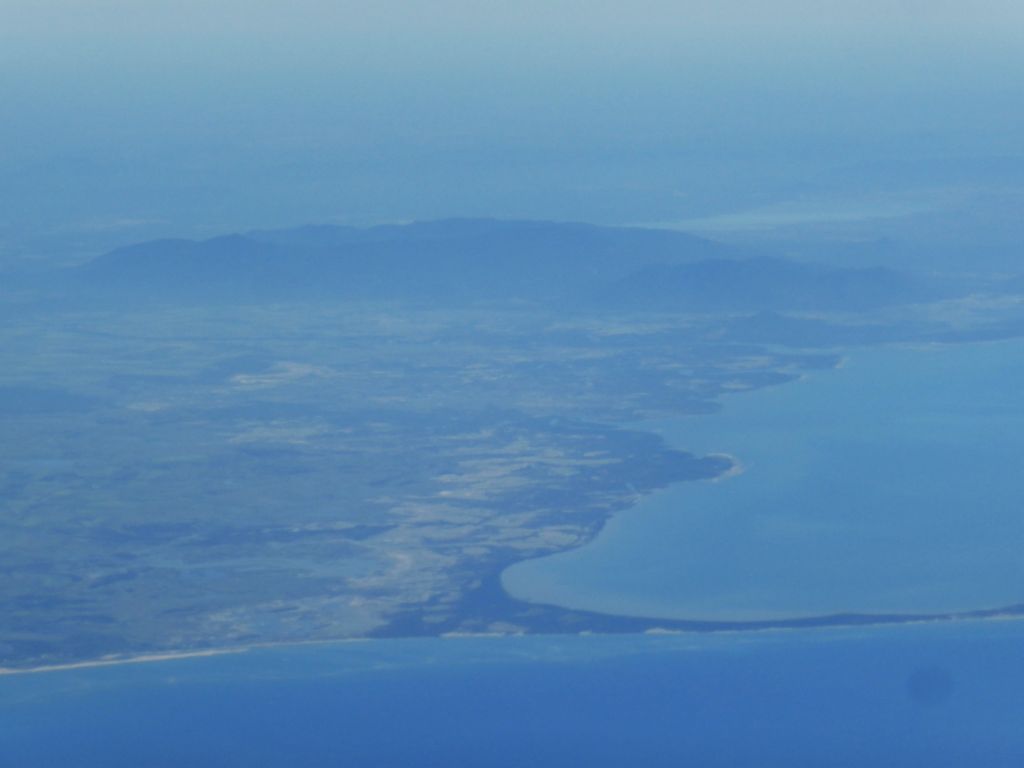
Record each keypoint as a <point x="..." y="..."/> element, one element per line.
<point x="182" y="475"/>
<point x="178" y="481"/>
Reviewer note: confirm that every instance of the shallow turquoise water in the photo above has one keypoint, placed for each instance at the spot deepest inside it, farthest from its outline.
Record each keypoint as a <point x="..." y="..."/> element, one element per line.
<point x="938" y="695"/>
<point x="891" y="485"/>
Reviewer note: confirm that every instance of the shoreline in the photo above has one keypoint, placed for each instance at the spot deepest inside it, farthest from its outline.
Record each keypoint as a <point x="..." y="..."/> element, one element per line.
<point x="655" y="629"/>
<point x="488" y="610"/>
<point x="149" y="658"/>
<point x="145" y="658"/>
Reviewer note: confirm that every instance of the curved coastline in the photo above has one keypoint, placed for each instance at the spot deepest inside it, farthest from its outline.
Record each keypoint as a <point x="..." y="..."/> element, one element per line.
<point x="490" y="610"/>
<point x="597" y="577"/>
<point x="548" y="617"/>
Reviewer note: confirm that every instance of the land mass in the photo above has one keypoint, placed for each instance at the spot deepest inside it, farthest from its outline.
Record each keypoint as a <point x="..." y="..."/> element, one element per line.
<point x="274" y="465"/>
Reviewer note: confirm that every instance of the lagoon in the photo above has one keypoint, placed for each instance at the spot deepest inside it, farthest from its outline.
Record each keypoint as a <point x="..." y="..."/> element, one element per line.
<point x="891" y="485"/>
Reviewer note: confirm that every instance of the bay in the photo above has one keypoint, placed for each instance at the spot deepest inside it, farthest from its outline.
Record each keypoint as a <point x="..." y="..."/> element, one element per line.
<point x="892" y="485"/>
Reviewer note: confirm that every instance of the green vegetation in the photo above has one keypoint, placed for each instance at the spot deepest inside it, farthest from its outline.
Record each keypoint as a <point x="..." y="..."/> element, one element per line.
<point x="186" y="479"/>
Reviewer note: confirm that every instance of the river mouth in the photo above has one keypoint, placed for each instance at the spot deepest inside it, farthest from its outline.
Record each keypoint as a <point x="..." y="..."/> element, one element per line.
<point x="890" y="486"/>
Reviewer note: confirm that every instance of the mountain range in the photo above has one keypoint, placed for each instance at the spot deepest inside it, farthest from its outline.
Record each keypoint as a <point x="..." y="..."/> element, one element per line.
<point x="464" y="261"/>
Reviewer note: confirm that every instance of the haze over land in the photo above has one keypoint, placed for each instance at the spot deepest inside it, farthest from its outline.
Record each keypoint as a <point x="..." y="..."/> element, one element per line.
<point x="476" y="383"/>
<point x="228" y="349"/>
<point x="881" y="133"/>
<point x="332" y="432"/>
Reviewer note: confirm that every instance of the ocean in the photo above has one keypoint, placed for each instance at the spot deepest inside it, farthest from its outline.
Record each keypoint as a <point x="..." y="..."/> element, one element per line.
<point x="949" y="694"/>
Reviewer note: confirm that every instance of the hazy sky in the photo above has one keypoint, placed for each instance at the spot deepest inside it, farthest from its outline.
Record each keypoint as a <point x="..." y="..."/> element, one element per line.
<point x="204" y="116"/>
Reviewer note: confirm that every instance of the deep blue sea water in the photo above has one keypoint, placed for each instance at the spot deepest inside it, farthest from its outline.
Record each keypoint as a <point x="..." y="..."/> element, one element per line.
<point x="936" y="695"/>
<point x="894" y="484"/>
